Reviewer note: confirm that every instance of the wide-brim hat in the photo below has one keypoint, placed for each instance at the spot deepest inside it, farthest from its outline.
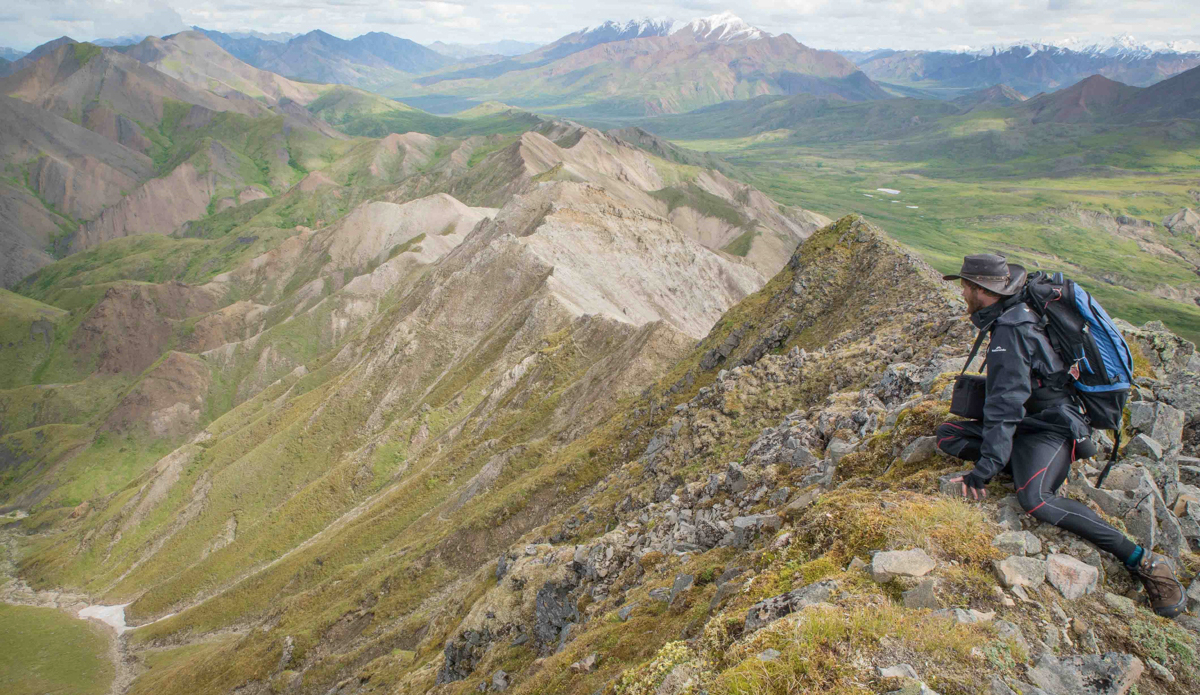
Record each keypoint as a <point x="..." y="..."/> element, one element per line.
<point x="993" y="272"/>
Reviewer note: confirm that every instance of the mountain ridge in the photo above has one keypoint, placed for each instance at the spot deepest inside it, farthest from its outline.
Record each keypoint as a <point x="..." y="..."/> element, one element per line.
<point x="1027" y="67"/>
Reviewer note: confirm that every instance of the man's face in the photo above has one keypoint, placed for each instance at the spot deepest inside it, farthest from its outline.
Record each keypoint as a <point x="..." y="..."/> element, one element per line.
<point x="973" y="296"/>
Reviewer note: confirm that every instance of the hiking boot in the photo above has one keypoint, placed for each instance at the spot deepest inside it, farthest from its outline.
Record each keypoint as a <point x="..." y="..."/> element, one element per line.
<point x="1162" y="588"/>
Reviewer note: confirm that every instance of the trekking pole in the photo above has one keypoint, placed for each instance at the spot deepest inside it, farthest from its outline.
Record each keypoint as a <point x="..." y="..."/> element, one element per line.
<point x="1111" y="459"/>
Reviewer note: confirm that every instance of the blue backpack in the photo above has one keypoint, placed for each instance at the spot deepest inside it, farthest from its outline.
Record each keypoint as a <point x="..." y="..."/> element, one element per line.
<point x="1099" y="366"/>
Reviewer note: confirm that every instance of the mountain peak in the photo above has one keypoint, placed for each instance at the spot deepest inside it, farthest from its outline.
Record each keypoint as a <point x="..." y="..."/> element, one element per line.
<point x="723" y="27"/>
<point x="1124" y="46"/>
<point x="633" y="29"/>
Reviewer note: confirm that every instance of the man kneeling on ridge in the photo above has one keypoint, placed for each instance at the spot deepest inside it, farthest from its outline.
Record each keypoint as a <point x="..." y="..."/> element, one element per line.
<point x="1034" y="428"/>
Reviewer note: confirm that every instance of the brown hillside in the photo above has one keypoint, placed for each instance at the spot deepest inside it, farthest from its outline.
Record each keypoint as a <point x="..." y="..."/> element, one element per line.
<point x="1095" y="98"/>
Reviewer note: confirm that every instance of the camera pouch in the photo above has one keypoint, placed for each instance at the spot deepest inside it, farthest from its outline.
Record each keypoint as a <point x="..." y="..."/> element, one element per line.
<point x="967" y="397"/>
<point x="969" y="389"/>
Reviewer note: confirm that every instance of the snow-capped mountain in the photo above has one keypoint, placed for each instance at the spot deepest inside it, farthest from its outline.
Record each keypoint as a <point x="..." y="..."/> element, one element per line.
<point x="633" y="29"/>
<point x="1121" y="47"/>
<point x="725" y="27"/>
<point x="1032" y="66"/>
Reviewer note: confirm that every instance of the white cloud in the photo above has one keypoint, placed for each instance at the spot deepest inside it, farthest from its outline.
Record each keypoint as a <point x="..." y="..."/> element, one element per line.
<point x="821" y="23"/>
<point x="27" y="23"/>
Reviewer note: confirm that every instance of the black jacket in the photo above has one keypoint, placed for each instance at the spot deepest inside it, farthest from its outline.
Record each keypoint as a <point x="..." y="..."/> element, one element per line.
<point x="1020" y="362"/>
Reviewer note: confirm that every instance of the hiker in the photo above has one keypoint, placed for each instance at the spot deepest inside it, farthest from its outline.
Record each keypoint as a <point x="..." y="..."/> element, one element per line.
<point x="1034" y="428"/>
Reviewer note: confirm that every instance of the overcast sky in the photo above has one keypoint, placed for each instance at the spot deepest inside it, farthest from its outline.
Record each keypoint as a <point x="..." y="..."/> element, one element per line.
<point x="821" y="23"/>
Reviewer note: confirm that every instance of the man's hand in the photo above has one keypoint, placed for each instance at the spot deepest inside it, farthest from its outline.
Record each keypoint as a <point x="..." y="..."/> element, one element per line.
<point x="972" y="482"/>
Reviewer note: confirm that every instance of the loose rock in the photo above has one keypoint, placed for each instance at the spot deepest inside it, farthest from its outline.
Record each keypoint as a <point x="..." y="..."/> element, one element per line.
<point x="898" y="671"/>
<point x="1111" y="674"/>
<point x="1018" y="543"/>
<point x="769" y="610"/>
<point x="966" y="616"/>
<point x="1074" y="579"/>
<point x="901" y="563"/>
<point x="1142" y="445"/>
<point x="920" y="449"/>
<point x="1020" y="571"/>
<point x="922" y="596"/>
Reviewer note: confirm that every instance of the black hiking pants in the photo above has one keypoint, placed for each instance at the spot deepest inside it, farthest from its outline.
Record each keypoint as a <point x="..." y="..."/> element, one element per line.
<point x="1039" y="464"/>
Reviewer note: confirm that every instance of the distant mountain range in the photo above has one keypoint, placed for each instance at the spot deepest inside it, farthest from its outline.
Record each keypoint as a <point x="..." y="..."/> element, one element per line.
<point x="930" y="128"/>
<point x="317" y="56"/>
<point x="1028" y="67"/>
<point x="648" y="67"/>
<point x="474" y="50"/>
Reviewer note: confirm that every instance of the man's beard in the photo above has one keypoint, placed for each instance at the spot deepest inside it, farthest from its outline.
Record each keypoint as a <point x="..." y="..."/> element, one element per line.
<point x="973" y="304"/>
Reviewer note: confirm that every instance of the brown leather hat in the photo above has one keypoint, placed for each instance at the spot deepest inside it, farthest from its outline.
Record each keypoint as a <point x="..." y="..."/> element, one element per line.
<point x="992" y="272"/>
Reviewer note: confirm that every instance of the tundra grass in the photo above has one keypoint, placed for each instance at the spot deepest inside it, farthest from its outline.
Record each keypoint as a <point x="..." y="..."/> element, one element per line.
<point x="43" y="650"/>
<point x="971" y="213"/>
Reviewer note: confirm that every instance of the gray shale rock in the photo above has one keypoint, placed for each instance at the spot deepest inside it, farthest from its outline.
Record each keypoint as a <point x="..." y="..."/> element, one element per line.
<point x="555" y="612"/>
<point x="885" y="566"/>
<point x="1159" y="421"/>
<point x="899" y="671"/>
<point x="1018" y="543"/>
<point x="626" y="611"/>
<point x="1141" y="445"/>
<point x="1111" y="674"/>
<point x="683" y="582"/>
<point x="922" y="596"/>
<point x="1020" y="571"/>
<point x="839" y="448"/>
<point x="769" y="610"/>
<point x="1073" y="578"/>
<point x="966" y="616"/>
<point x="920" y="449"/>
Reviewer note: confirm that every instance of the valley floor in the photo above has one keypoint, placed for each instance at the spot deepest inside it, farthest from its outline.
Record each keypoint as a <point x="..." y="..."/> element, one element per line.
<point x="1040" y="221"/>
<point x="44" y="647"/>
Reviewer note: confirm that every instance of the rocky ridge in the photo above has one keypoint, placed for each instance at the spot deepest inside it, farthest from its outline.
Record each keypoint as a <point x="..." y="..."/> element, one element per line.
<point x="701" y="551"/>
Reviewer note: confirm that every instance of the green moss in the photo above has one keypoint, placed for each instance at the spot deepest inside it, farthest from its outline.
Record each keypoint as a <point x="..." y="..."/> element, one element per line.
<point x="1163" y="642"/>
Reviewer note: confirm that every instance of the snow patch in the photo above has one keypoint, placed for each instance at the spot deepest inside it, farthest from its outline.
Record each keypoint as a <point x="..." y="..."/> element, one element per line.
<point x="113" y="616"/>
<point x="724" y="27"/>
<point x="889" y="191"/>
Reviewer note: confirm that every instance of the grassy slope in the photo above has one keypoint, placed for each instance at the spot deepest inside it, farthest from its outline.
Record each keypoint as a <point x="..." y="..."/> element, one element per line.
<point x="42" y="650"/>
<point x="982" y="181"/>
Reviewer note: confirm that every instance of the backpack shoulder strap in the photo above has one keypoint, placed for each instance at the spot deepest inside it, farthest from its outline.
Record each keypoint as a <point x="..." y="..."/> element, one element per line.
<point x="975" y="349"/>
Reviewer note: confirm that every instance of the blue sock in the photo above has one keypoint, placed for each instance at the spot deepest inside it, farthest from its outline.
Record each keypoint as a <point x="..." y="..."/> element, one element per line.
<point x="1136" y="557"/>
